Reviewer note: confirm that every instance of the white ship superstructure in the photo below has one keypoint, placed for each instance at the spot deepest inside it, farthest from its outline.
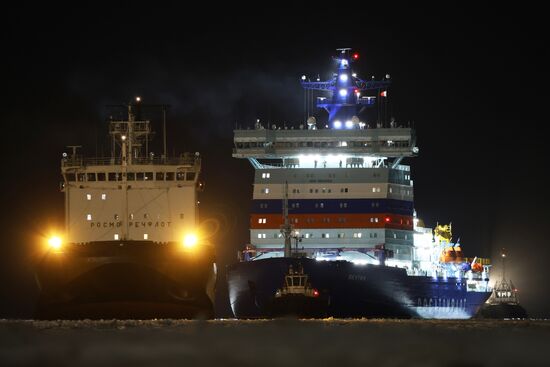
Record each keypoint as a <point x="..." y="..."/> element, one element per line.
<point x="134" y="195"/>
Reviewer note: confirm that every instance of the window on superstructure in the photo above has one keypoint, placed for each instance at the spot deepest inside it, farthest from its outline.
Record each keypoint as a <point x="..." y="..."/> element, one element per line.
<point x="190" y="176"/>
<point x="81" y="177"/>
<point x="325" y="235"/>
<point x="88" y="196"/>
<point x="329" y="191"/>
<point x="159" y="176"/>
<point x="103" y="196"/>
<point x="88" y="217"/>
<point x="181" y="216"/>
<point x="341" y="235"/>
<point x="170" y="176"/>
<point x="112" y="176"/>
<point x="145" y="236"/>
<point x="391" y="190"/>
<point x="265" y="190"/>
<point x="311" y="191"/>
<point x="323" y="190"/>
<point x="70" y="176"/>
<point x="376" y="220"/>
<point x="306" y="235"/>
<point x="375" y="234"/>
<point x="131" y="176"/>
<point x="148" y="176"/>
<point x="116" y="237"/>
<point x="146" y="216"/>
<point x="101" y="176"/>
<point x="116" y="216"/>
<point x="91" y="176"/>
<point x="131" y="216"/>
<point x="180" y="176"/>
<point x="316" y="191"/>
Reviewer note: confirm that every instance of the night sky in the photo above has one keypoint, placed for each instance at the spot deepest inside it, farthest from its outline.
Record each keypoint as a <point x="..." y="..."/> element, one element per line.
<point x="471" y="80"/>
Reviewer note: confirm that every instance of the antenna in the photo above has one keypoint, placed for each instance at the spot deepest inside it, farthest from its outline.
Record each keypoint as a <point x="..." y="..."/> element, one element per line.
<point x="286" y="228"/>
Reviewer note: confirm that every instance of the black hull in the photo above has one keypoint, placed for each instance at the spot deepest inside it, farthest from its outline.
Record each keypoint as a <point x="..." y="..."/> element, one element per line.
<point x="502" y="311"/>
<point x="135" y="280"/>
<point x="299" y="306"/>
<point x="354" y="290"/>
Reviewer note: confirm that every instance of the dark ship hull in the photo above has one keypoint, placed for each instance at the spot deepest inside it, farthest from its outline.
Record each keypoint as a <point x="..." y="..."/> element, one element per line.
<point x="502" y="311"/>
<point x="298" y="305"/>
<point x="354" y="290"/>
<point x="126" y="279"/>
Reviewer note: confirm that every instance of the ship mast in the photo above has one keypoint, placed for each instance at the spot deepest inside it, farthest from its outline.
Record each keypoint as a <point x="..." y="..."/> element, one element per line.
<point x="286" y="228"/>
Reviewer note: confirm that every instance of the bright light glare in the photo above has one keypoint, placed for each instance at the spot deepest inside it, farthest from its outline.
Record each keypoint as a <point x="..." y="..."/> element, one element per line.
<point x="343" y="92"/>
<point x="190" y="240"/>
<point x="337" y="124"/>
<point x="55" y="242"/>
<point x="344" y="77"/>
<point x="349" y="124"/>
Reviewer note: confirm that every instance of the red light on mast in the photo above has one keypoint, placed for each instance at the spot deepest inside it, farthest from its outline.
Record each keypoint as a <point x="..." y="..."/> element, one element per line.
<point x="387" y="219"/>
<point x="315" y="293"/>
<point x="355" y="56"/>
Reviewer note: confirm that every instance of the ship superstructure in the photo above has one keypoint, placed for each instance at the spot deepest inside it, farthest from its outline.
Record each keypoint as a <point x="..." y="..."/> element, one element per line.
<point x="347" y="190"/>
<point x="337" y="199"/>
<point x="128" y="217"/>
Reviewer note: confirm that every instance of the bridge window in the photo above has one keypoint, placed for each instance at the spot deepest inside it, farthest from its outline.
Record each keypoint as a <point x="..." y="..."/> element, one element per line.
<point x="180" y="176"/>
<point x="159" y="176"/>
<point x="140" y="176"/>
<point x="91" y="176"/>
<point x="101" y="176"/>
<point x="148" y="176"/>
<point x="190" y="176"/>
<point x="261" y="235"/>
<point x="341" y="235"/>
<point x="71" y="177"/>
<point x="170" y="176"/>
<point x="81" y="177"/>
<point x="325" y="235"/>
<point x="265" y="190"/>
<point x="357" y="235"/>
<point x="262" y="220"/>
<point x="131" y="176"/>
<point x="266" y="175"/>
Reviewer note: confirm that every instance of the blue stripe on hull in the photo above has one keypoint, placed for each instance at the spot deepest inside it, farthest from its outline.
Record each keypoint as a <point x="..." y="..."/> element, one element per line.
<point x="354" y="290"/>
<point x="304" y="206"/>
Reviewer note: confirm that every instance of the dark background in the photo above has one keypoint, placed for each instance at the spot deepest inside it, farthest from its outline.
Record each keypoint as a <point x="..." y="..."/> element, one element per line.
<point x="472" y="81"/>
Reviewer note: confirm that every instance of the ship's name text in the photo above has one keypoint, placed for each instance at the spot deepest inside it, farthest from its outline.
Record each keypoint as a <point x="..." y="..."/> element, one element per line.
<point x="135" y="224"/>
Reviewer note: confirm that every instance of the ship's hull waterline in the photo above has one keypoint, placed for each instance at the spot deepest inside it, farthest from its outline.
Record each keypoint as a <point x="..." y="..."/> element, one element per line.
<point x="126" y="279"/>
<point x="355" y="290"/>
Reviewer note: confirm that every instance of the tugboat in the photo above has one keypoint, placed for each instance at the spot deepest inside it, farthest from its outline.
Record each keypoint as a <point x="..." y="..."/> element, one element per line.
<point x="350" y="202"/>
<point x="132" y="246"/>
<point x="504" y="301"/>
<point x="298" y="298"/>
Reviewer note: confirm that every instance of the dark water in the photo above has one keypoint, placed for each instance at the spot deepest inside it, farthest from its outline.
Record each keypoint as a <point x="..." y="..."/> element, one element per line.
<point x="328" y="342"/>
